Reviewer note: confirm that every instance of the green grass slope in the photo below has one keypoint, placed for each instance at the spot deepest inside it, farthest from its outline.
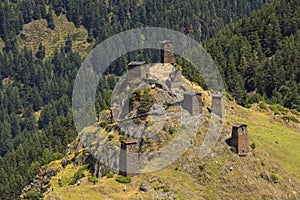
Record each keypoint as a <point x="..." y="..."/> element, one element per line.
<point x="37" y="31"/>
<point x="270" y="171"/>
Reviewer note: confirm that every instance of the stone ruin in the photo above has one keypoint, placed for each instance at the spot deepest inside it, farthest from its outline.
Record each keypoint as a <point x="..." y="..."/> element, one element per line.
<point x="192" y="102"/>
<point x="167" y="52"/>
<point x="137" y="69"/>
<point x="217" y="105"/>
<point x="175" y="79"/>
<point x="129" y="160"/>
<point x="239" y="139"/>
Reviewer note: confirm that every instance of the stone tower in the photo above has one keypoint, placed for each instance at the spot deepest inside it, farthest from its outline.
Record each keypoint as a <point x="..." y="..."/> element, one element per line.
<point x="239" y="139"/>
<point x="175" y="79"/>
<point x="217" y="105"/>
<point x="138" y="69"/>
<point x="129" y="160"/>
<point x="167" y="52"/>
<point x="193" y="102"/>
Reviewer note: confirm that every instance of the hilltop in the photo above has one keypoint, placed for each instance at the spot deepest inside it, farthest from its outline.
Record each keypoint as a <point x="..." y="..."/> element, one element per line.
<point x="42" y="46"/>
<point x="269" y="171"/>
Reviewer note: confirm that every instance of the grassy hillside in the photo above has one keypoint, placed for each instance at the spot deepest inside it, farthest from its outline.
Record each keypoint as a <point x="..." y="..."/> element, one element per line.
<point x="37" y="31"/>
<point x="271" y="170"/>
<point x="273" y="135"/>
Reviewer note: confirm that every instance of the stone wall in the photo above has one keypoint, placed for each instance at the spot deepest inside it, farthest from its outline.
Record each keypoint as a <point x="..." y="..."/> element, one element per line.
<point x="175" y="79"/>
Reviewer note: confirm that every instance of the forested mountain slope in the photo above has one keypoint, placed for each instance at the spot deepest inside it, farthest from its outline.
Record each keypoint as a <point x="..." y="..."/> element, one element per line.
<point x="36" y="122"/>
<point x="261" y="54"/>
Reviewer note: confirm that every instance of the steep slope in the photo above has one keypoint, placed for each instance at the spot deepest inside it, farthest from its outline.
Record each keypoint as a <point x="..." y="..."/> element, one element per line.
<point x="270" y="171"/>
<point x="37" y="32"/>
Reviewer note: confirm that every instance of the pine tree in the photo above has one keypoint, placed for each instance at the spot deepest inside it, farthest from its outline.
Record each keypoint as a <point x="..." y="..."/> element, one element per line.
<point x="50" y="20"/>
<point x="40" y="54"/>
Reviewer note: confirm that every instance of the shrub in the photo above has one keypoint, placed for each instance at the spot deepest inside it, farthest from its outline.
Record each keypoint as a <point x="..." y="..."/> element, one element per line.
<point x="252" y="146"/>
<point x="122" y="138"/>
<point x="93" y="179"/>
<point x="123" y="179"/>
<point x="274" y="177"/>
<point x="166" y="189"/>
<point x="33" y="195"/>
<point x="201" y="167"/>
<point x="264" y="197"/>
<point x="233" y="149"/>
<point x="58" y="156"/>
<point x="137" y="120"/>
<point x="172" y="130"/>
<point x="111" y="136"/>
<point x="109" y="175"/>
<point x="275" y="109"/>
<point x="290" y="118"/>
<point x="295" y="112"/>
<point x="103" y="124"/>
<point x="263" y="106"/>
<point x="78" y="175"/>
<point x="282" y="109"/>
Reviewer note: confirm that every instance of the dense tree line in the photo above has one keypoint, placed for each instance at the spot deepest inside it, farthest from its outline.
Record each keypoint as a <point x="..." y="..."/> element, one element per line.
<point x="261" y="54"/>
<point x="200" y="19"/>
<point x="37" y="88"/>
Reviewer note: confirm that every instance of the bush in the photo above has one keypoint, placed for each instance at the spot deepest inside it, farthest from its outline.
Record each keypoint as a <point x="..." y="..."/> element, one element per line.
<point x="123" y="179"/>
<point x="122" y="138"/>
<point x="32" y="195"/>
<point x="290" y="118"/>
<point x="263" y="106"/>
<point x="254" y="99"/>
<point x="172" y="130"/>
<point x="137" y="120"/>
<point x="295" y="112"/>
<point x="201" y="167"/>
<point x="111" y="136"/>
<point x="252" y="146"/>
<point x="109" y="175"/>
<point x="233" y="149"/>
<point x="274" y="177"/>
<point x="166" y="189"/>
<point x="78" y="175"/>
<point x="103" y="124"/>
<point x="275" y="109"/>
<point x="58" y="156"/>
<point x="93" y="179"/>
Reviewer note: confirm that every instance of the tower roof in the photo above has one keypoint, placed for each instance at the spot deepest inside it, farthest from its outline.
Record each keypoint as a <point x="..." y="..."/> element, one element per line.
<point x="165" y="42"/>
<point x="192" y="93"/>
<point x="237" y="125"/>
<point x="217" y="95"/>
<point x="131" y="141"/>
<point x="136" y="63"/>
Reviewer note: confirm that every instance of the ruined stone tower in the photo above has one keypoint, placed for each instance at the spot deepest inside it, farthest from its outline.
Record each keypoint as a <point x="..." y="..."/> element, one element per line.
<point x="175" y="79"/>
<point x="193" y="102"/>
<point x="167" y="52"/>
<point x="138" y="69"/>
<point x="129" y="161"/>
<point x="239" y="139"/>
<point x="217" y="105"/>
